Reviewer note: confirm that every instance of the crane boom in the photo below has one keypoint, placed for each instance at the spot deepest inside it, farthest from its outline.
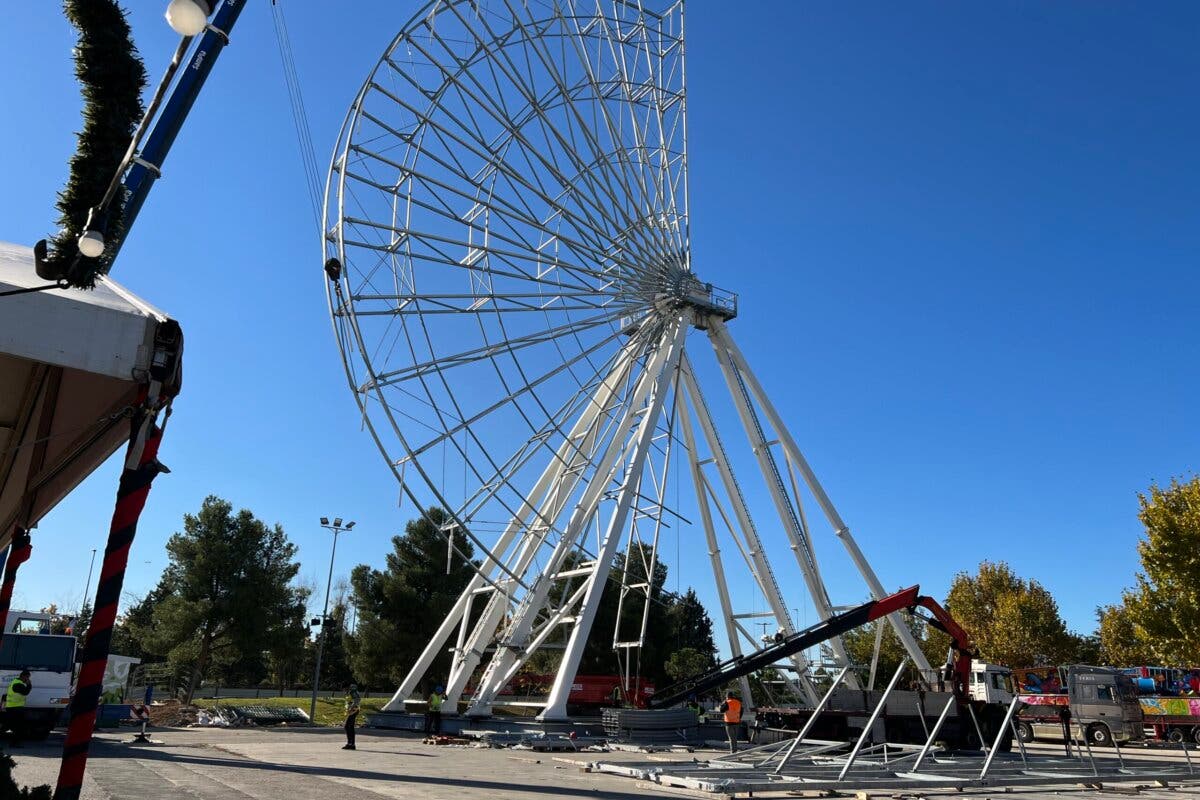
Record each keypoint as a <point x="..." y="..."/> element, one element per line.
<point x="801" y="640"/>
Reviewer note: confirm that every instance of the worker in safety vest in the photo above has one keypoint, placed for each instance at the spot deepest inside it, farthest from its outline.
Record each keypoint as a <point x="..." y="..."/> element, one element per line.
<point x="693" y="705"/>
<point x="732" y="709"/>
<point x="14" y="707"/>
<point x="433" y="717"/>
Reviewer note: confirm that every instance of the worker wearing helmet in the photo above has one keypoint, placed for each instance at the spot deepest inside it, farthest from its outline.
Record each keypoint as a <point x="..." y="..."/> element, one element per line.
<point x="433" y="716"/>
<point x="732" y="709"/>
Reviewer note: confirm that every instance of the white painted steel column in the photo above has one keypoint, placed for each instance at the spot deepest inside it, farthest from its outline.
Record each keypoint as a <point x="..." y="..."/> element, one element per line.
<point x="773" y="478"/>
<point x="558" y="484"/>
<point x="765" y="576"/>
<point x="510" y="651"/>
<point x="710" y="533"/>
<point x="556" y="705"/>
<point x="718" y="331"/>
<point x="459" y="613"/>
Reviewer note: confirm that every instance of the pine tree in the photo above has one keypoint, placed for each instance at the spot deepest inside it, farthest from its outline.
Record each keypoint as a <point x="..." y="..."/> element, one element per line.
<point x="229" y="590"/>
<point x="401" y="606"/>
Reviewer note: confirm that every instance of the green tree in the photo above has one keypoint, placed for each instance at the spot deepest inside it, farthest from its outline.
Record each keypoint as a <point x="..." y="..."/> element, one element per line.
<point x="228" y="590"/>
<point x="401" y="606"/>
<point x="1165" y="605"/>
<point x="81" y="622"/>
<point x="685" y="662"/>
<point x="1014" y="622"/>
<point x="860" y="647"/>
<point x="1120" y="641"/>
<point x="632" y="569"/>
<point x="336" y="672"/>
<point x="286" y="652"/>
<point x="1086" y="649"/>
<point x="135" y="625"/>
<point x="690" y="626"/>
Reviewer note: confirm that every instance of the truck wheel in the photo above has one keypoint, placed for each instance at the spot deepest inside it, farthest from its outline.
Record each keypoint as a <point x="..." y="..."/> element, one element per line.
<point x="1099" y="734"/>
<point x="1196" y="735"/>
<point x="1025" y="732"/>
<point x="1175" y="736"/>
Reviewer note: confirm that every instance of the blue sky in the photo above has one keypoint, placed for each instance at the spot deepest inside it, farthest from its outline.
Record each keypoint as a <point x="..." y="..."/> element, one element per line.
<point x="964" y="235"/>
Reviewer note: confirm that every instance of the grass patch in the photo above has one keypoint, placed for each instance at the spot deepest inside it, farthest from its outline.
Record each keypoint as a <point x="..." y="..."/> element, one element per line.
<point x="329" y="711"/>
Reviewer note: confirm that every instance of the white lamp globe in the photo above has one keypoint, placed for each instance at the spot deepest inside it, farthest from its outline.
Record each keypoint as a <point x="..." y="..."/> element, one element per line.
<point x="188" y="17"/>
<point x="91" y="244"/>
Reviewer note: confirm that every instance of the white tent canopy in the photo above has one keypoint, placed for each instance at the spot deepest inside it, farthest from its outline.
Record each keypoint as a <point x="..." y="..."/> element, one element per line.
<point x="71" y="362"/>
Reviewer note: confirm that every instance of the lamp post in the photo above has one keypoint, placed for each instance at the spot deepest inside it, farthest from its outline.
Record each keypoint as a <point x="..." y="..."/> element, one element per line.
<point x="337" y="527"/>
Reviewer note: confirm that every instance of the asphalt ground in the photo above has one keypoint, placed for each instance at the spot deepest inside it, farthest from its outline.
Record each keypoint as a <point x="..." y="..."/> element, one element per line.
<point x="309" y="764"/>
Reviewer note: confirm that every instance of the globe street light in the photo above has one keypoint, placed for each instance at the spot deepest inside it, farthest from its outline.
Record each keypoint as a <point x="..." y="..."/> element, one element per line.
<point x="188" y="17"/>
<point x="337" y="528"/>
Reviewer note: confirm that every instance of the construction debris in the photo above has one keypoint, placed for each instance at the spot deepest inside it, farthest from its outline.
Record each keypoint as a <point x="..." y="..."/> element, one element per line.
<point x="441" y="740"/>
<point x="818" y="765"/>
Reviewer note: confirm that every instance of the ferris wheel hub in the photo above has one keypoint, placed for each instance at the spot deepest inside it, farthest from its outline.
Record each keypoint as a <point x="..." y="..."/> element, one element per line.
<point x="685" y="290"/>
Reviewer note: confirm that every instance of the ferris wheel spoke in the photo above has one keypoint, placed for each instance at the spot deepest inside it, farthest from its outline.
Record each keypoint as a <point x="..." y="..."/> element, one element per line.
<point x="513" y="75"/>
<point x="623" y="80"/>
<point x="506" y="214"/>
<point x="494" y="160"/>
<point x="475" y="253"/>
<point x="550" y="426"/>
<point x="662" y="175"/>
<point x="497" y="303"/>
<point x="575" y="455"/>
<point x="590" y="209"/>
<point x="488" y="352"/>
<point x="565" y="142"/>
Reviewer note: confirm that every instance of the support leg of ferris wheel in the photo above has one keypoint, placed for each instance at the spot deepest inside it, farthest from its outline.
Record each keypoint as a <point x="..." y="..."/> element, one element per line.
<point x="710" y="534"/>
<point x="558" y="480"/>
<point x="724" y="344"/>
<point x="762" y="572"/>
<point x="557" y="485"/>
<point x="672" y="349"/>
<point x="773" y="478"/>
<point x="519" y="640"/>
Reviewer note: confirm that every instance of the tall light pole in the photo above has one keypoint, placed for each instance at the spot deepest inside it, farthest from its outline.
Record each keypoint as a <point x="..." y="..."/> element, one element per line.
<point x="337" y="528"/>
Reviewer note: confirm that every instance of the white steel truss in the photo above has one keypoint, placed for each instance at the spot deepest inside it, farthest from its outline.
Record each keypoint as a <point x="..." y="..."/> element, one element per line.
<point x="509" y="276"/>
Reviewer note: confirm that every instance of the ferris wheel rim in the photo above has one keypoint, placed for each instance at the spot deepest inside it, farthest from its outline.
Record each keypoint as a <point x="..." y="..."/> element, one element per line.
<point x="363" y="371"/>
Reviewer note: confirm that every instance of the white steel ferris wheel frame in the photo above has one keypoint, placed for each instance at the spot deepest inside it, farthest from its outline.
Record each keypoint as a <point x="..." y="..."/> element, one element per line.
<point x="509" y="210"/>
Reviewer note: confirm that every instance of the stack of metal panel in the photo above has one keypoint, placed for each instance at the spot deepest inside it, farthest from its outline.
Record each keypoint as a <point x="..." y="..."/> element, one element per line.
<point x="649" y="726"/>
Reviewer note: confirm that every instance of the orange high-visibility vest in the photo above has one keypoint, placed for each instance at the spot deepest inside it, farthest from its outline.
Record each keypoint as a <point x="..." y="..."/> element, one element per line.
<point x="733" y="711"/>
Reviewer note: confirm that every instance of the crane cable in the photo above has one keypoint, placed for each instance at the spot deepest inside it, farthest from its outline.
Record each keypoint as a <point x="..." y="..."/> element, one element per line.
<point x="291" y="77"/>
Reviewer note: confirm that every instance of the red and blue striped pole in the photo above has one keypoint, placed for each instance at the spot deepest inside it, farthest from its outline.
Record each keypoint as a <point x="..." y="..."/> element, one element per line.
<point x="131" y="499"/>
<point x="18" y="553"/>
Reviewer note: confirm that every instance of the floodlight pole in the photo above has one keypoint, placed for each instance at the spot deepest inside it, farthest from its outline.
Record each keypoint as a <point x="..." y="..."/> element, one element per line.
<point x="337" y="528"/>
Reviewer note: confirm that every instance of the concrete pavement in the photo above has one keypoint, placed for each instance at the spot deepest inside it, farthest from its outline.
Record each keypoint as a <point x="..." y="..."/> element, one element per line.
<point x="309" y="764"/>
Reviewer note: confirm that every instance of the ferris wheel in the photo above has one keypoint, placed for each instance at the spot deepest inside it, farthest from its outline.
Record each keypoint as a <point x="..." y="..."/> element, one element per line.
<point x="511" y="286"/>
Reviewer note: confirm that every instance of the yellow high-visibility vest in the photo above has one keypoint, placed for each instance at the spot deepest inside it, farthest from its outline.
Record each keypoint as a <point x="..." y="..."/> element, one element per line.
<point x="15" y="699"/>
<point x="435" y="702"/>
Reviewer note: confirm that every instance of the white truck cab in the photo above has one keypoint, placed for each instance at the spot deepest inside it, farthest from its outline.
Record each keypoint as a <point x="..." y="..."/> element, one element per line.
<point x="991" y="683"/>
<point x="51" y="663"/>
